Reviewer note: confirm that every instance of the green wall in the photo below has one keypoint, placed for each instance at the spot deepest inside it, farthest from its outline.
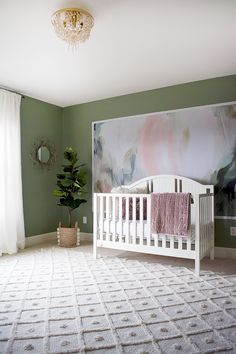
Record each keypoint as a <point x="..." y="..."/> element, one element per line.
<point x="77" y="125"/>
<point x="71" y="126"/>
<point x="39" y="120"/>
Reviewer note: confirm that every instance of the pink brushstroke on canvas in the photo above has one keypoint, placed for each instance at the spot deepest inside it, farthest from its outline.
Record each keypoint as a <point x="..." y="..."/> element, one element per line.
<point x="158" y="157"/>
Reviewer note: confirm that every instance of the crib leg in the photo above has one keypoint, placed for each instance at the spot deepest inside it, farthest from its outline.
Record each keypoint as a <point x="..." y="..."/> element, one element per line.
<point x="95" y="225"/>
<point x="94" y="249"/>
<point x="95" y="252"/>
<point x="212" y="254"/>
<point x="95" y="243"/>
<point x="197" y="266"/>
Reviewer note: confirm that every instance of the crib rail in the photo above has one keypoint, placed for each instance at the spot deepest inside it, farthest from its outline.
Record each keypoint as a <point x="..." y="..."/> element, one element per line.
<point x="124" y="220"/>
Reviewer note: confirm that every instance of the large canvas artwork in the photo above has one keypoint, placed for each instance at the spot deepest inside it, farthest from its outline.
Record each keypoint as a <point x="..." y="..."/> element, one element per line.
<point x="199" y="143"/>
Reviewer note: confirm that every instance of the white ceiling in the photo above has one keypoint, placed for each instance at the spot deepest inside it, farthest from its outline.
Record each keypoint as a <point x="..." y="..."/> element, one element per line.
<point x="135" y="45"/>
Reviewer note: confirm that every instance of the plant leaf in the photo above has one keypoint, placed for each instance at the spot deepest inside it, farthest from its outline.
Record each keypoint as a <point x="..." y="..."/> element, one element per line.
<point x="67" y="182"/>
<point x="58" y="193"/>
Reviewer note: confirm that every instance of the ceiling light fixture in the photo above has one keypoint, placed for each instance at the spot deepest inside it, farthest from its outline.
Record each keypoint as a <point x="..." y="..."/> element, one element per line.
<point x="72" y="25"/>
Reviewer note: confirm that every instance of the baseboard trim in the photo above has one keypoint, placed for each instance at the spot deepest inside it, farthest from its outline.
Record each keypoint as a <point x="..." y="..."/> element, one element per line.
<point x="85" y="236"/>
<point x="223" y="252"/>
<point x="38" y="239"/>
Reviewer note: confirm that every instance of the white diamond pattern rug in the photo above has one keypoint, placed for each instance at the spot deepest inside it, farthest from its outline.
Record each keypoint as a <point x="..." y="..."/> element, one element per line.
<point x="64" y="301"/>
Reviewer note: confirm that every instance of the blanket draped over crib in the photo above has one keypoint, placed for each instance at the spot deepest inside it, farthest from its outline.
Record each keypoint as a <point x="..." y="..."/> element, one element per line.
<point x="170" y="213"/>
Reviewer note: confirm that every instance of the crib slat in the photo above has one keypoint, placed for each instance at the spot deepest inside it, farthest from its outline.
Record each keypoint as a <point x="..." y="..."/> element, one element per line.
<point x="101" y="218"/>
<point x="201" y="215"/>
<point x="141" y="220"/>
<point x="197" y="235"/>
<point x="172" y="242"/>
<point x="179" y="243"/>
<point x="114" y="199"/>
<point x="134" y="206"/>
<point x="95" y="225"/>
<point x="203" y="234"/>
<point x="189" y="239"/>
<point x="200" y="228"/>
<point x="204" y="224"/>
<point x="120" y="220"/>
<point x="155" y="240"/>
<point x="211" y="228"/>
<point x="97" y="201"/>
<point x="127" y="219"/>
<point x="207" y="223"/>
<point x="148" y="221"/>
<point x="107" y="217"/>
<point x="212" y="232"/>
<point x="165" y="241"/>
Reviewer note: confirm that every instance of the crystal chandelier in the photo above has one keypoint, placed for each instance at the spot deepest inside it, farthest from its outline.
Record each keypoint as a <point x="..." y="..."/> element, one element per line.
<point x="72" y="25"/>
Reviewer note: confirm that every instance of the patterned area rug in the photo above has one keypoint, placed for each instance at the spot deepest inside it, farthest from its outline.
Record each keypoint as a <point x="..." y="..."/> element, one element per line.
<point x="63" y="301"/>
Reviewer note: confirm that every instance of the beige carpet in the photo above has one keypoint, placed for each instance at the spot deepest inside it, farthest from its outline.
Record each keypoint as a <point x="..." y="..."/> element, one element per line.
<point x="54" y="300"/>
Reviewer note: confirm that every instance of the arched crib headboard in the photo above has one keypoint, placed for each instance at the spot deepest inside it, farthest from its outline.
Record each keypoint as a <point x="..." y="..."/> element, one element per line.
<point x="171" y="184"/>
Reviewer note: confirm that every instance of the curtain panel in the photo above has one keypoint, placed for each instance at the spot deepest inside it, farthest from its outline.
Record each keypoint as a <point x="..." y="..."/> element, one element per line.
<point x="12" y="231"/>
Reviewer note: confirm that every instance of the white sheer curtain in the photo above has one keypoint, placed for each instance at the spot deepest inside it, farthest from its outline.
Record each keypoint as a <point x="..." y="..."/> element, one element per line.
<point x="12" y="234"/>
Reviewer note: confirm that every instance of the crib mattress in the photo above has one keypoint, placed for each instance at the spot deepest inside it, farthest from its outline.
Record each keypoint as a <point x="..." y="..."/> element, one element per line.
<point x="140" y="230"/>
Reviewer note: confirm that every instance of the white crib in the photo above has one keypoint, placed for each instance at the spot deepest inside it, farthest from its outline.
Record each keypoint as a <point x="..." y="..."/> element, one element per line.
<point x="112" y="230"/>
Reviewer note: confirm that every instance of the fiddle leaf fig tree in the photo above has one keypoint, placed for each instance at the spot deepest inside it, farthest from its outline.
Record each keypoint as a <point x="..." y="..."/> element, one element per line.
<point x="71" y="183"/>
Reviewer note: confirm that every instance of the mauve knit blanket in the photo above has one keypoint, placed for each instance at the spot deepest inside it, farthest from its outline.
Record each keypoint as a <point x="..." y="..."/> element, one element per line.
<point x="170" y="213"/>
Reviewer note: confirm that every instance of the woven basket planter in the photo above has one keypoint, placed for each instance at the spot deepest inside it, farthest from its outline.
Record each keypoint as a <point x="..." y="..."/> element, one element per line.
<point x="68" y="236"/>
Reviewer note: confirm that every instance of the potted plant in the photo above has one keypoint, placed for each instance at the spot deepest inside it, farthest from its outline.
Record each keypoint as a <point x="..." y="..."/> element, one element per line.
<point x="70" y="189"/>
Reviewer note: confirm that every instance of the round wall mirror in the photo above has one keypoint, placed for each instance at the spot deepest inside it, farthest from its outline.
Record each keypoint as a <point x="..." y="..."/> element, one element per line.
<point x="43" y="154"/>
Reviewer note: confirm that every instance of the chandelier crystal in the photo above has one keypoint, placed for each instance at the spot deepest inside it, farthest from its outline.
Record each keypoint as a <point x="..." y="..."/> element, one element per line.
<point x="72" y="25"/>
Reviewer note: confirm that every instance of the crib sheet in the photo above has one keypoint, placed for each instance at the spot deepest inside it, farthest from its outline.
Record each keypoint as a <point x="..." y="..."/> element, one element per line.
<point x="142" y="231"/>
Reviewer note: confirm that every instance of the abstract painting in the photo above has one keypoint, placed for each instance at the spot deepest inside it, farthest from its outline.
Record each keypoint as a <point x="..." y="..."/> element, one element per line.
<point x="199" y="143"/>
